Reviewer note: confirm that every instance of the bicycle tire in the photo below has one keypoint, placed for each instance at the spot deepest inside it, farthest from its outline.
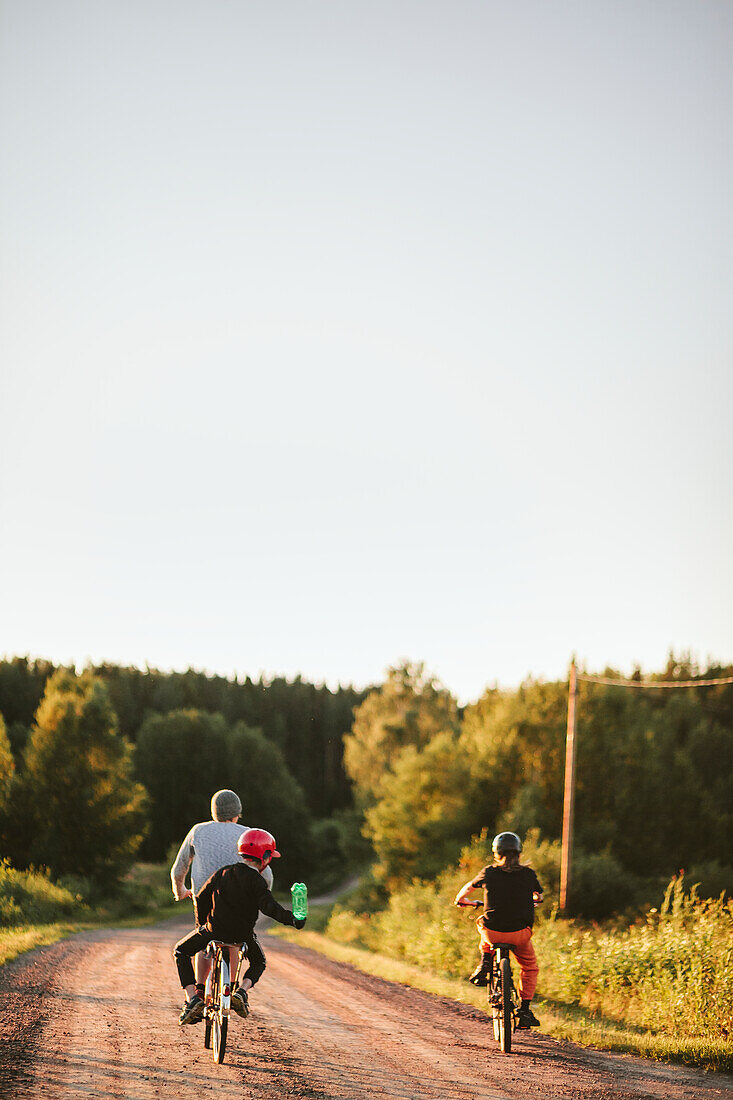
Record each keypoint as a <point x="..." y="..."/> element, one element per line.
<point x="221" y="1007"/>
<point x="505" y="1011"/>
<point x="208" y="1003"/>
<point x="493" y="990"/>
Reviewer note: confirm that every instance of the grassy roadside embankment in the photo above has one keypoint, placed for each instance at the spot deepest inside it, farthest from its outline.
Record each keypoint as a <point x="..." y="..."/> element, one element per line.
<point x="36" y="912"/>
<point x="661" y="988"/>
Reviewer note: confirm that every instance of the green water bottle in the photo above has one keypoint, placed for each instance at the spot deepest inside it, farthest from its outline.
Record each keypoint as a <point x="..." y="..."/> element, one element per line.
<point x="299" y="890"/>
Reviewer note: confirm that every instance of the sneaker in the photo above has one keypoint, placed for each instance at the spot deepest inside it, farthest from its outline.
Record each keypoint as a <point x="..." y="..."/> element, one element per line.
<point x="192" y="1011"/>
<point x="527" y="1018"/>
<point x="480" y="975"/>
<point x="240" y="1004"/>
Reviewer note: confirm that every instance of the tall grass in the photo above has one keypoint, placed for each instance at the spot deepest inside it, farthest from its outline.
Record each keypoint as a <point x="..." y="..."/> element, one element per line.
<point x="669" y="974"/>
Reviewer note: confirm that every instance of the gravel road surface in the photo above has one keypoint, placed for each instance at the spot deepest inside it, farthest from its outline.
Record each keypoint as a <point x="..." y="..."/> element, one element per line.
<point x="95" y="1018"/>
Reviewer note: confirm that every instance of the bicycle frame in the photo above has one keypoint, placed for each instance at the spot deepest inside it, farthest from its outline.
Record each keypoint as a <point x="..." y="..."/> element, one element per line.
<point x="502" y="996"/>
<point x="218" y="995"/>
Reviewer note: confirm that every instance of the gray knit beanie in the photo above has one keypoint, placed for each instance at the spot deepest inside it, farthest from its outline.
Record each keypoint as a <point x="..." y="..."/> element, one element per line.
<point x="224" y="805"/>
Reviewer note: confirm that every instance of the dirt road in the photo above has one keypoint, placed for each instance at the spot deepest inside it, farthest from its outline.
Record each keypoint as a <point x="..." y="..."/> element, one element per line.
<point x="95" y="1017"/>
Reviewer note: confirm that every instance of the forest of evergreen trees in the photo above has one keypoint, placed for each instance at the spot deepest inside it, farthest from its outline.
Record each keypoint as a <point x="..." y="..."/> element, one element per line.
<point x="279" y="743"/>
<point x="306" y="722"/>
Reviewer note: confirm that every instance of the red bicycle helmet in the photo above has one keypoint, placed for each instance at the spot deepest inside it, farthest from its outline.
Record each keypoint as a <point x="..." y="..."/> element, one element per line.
<point x="258" y="844"/>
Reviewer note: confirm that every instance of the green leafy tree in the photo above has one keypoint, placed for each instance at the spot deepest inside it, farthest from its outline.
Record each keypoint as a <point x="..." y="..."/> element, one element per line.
<point x="85" y="813"/>
<point x="271" y="797"/>
<point x="407" y="711"/>
<point x="181" y="758"/>
<point x="517" y="739"/>
<point x="22" y="682"/>
<point x="430" y="803"/>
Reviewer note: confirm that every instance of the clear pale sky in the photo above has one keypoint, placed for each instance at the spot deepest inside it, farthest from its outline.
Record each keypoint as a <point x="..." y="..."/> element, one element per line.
<point x="334" y="333"/>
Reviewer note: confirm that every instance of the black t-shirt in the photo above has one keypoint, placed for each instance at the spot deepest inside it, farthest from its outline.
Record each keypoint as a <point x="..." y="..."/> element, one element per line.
<point x="230" y="901"/>
<point x="508" y="901"/>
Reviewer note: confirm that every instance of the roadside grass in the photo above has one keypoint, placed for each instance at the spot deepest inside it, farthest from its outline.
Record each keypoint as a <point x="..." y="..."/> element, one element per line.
<point x="661" y="988"/>
<point x="560" y="1021"/>
<point x="17" y="941"/>
<point x="29" y="901"/>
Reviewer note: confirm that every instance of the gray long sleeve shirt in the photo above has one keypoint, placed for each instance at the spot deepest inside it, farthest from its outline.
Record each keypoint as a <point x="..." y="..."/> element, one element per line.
<point x="207" y="847"/>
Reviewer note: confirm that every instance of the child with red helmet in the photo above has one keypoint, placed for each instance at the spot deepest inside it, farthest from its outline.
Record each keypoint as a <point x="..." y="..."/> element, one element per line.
<point x="227" y="907"/>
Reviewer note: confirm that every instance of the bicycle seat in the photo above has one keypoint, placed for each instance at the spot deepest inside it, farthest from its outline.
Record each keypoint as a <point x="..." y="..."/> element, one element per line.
<point x="213" y="946"/>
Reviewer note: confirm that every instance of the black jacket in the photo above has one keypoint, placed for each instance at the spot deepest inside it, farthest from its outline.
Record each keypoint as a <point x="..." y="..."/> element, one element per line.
<point x="231" y="900"/>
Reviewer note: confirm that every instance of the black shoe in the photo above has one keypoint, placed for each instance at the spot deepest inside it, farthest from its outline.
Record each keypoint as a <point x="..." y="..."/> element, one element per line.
<point x="527" y="1018"/>
<point x="481" y="974"/>
<point x="240" y="1004"/>
<point x="192" y="1011"/>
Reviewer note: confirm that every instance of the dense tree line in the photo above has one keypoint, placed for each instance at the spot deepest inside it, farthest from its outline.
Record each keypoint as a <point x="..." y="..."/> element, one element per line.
<point x="305" y="721"/>
<point x="182" y="757"/>
<point x="654" y="772"/>
<point x="142" y="752"/>
<point x="82" y="797"/>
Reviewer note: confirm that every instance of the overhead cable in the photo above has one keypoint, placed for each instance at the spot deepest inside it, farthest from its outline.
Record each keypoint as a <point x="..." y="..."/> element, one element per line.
<point x="652" y="683"/>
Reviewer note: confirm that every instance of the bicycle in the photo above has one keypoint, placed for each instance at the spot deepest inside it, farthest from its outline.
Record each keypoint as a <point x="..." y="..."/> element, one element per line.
<point x="500" y="989"/>
<point x="218" y="996"/>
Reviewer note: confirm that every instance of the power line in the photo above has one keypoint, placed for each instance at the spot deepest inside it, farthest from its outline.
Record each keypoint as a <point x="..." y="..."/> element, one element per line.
<point x="569" y="790"/>
<point x="652" y="683"/>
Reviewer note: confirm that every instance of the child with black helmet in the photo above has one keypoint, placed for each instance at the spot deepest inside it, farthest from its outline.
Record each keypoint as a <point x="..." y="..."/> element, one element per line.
<point x="511" y="892"/>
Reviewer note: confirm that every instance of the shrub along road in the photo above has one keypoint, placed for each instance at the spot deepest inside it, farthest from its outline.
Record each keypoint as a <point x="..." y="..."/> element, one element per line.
<point x="96" y="1016"/>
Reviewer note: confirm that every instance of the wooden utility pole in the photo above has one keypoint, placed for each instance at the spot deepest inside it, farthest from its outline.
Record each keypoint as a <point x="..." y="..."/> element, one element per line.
<point x="569" y="799"/>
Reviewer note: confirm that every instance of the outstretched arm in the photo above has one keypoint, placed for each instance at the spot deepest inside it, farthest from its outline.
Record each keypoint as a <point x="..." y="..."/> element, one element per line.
<point x="271" y="908"/>
<point x="464" y="892"/>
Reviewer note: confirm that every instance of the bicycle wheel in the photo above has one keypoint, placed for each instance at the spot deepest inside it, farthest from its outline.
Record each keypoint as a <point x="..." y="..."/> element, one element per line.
<point x="208" y="1008"/>
<point x="505" y="1009"/>
<point x="222" y="992"/>
<point x="493" y="993"/>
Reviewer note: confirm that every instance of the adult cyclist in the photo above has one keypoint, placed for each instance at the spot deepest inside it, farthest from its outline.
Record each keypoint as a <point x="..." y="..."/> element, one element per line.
<point x="206" y="848"/>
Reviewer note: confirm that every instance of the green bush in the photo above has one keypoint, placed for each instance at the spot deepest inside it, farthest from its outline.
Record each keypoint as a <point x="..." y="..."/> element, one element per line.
<point x="600" y="886"/>
<point x="419" y="923"/>
<point x="30" y="897"/>
<point x="671" y="973"/>
<point x="351" y="928"/>
<point x="145" y="887"/>
<point x="369" y="896"/>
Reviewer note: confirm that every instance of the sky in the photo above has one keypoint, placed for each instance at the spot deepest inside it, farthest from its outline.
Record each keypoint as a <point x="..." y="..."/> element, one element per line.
<point x="334" y="334"/>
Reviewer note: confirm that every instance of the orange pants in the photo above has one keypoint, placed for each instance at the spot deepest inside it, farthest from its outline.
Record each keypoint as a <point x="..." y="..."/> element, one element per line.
<point x="521" y="944"/>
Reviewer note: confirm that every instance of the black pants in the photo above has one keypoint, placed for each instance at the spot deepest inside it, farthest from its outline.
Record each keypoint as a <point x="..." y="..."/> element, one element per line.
<point x="200" y="938"/>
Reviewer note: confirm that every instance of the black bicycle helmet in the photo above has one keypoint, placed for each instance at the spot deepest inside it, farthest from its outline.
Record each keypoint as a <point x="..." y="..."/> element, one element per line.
<point x="506" y="842"/>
